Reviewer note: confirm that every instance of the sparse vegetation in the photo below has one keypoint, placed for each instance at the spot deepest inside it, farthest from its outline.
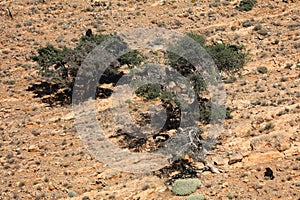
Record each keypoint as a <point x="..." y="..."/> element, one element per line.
<point x="229" y="58"/>
<point x="262" y="70"/>
<point x="149" y="91"/>
<point x="246" y="5"/>
<point x="230" y="79"/>
<point x="247" y="23"/>
<point x="233" y="28"/>
<point x="267" y="127"/>
<point x="132" y="58"/>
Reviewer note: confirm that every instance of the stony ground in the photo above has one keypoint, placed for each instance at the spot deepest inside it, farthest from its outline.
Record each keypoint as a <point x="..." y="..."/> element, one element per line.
<point x="42" y="156"/>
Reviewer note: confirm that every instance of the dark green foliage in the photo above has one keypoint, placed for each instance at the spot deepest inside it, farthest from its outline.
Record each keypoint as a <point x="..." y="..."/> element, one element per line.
<point x="197" y="82"/>
<point x="184" y="45"/>
<point x="198" y="38"/>
<point x="246" y="5"/>
<point x="169" y="102"/>
<point x="179" y="62"/>
<point x="58" y="67"/>
<point x="219" y="111"/>
<point x="50" y="56"/>
<point x="149" y="91"/>
<point x="152" y="91"/>
<point x="132" y="58"/>
<point x="247" y="23"/>
<point x="228" y="58"/>
<point x="262" y="70"/>
<point x="93" y="39"/>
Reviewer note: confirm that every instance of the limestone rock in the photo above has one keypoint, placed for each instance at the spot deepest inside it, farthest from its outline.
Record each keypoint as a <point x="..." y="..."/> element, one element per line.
<point x="185" y="186"/>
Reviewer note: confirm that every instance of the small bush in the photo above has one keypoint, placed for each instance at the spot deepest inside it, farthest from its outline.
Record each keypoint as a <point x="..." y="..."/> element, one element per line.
<point x="198" y="38"/>
<point x="263" y="32"/>
<point x="262" y="70"/>
<point x="228" y="58"/>
<point x="206" y="108"/>
<point x="247" y="23"/>
<point x="233" y="28"/>
<point x="149" y="91"/>
<point x="246" y="5"/>
<point x="132" y="58"/>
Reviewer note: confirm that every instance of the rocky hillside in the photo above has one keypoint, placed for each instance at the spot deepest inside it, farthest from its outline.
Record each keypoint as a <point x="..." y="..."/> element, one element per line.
<point x="42" y="156"/>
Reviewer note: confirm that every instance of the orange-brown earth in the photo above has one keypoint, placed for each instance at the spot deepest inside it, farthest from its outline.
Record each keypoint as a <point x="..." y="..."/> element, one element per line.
<point x="42" y="156"/>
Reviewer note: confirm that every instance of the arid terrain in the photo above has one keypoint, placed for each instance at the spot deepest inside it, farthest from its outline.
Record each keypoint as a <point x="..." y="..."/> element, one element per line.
<point x="42" y="156"/>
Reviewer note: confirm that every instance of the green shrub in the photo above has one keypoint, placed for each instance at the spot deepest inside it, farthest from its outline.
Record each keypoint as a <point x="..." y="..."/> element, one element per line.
<point x="233" y="28"/>
<point x="247" y="23"/>
<point x="206" y="108"/>
<point x="149" y="91"/>
<point x="49" y="56"/>
<point x="246" y="5"/>
<point x="228" y="58"/>
<point x="132" y="58"/>
<point x="180" y="64"/>
<point x="198" y="38"/>
<point x="262" y="70"/>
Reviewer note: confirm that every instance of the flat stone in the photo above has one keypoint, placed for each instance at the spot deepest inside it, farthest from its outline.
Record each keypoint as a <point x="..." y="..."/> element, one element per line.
<point x="183" y="187"/>
<point x="235" y="158"/>
<point x="196" y="197"/>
